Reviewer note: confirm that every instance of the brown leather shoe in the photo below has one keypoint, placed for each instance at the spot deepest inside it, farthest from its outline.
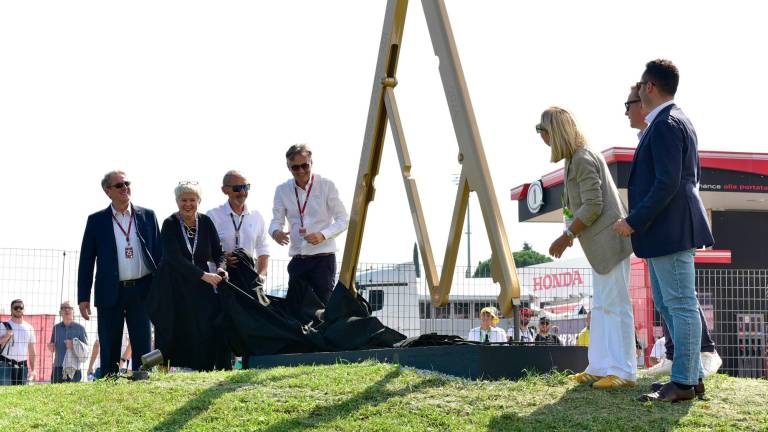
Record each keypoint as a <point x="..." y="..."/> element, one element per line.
<point x="669" y="392"/>
<point x="698" y="389"/>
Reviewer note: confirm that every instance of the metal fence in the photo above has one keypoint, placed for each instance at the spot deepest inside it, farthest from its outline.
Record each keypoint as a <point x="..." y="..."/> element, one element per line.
<point x="734" y="302"/>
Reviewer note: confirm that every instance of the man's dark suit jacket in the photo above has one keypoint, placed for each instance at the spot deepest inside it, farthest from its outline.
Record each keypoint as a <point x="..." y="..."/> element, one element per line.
<point x="665" y="209"/>
<point x="99" y="247"/>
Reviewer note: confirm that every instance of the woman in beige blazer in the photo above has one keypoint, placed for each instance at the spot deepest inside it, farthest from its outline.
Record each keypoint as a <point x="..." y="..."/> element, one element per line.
<point x="591" y="204"/>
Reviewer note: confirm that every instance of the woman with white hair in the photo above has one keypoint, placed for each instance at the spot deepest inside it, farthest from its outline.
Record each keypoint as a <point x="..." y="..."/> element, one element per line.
<point x="488" y="332"/>
<point x="591" y="204"/>
<point x="188" y="298"/>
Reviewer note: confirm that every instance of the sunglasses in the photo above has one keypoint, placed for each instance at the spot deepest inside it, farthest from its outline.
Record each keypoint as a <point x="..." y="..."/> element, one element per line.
<point x="629" y="103"/>
<point x="67" y="308"/>
<point x="241" y="187"/>
<point x="304" y="167"/>
<point x="18" y="308"/>
<point x="121" y="185"/>
<point x="540" y="129"/>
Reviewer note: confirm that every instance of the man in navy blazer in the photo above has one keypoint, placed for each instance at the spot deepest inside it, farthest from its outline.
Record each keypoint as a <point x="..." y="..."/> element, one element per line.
<point x="667" y="222"/>
<point x="123" y="241"/>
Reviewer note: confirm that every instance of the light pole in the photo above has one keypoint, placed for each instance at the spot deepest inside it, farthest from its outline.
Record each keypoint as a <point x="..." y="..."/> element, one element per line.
<point x="468" y="273"/>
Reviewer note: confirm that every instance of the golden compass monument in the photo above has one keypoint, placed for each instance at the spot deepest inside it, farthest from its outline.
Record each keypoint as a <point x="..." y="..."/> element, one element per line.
<point x="474" y="173"/>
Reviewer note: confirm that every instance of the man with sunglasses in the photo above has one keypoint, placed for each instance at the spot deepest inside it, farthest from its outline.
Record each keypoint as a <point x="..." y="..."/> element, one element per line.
<point x="315" y="215"/>
<point x="122" y="242"/>
<point x="710" y="359"/>
<point x="238" y="226"/>
<point x="667" y="222"/>
<point x="17" y="355"/>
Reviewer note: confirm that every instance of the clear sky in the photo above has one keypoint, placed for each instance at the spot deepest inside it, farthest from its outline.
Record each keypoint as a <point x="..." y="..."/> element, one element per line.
<point x="179" y="90"/>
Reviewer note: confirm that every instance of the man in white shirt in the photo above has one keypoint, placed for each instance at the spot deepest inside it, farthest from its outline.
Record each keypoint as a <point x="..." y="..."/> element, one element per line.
<point x="238" y="226"/>
<point x="17" y="356"/>
<point x="315" y="217"/>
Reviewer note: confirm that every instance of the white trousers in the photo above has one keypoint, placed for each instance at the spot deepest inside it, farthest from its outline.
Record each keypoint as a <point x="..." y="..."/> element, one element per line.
<point x="612" y="331"/>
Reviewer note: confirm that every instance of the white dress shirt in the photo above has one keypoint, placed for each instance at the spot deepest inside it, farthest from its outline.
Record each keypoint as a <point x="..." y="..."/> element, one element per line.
<point x="652" y="115"/>
<point x="128" y="268"/>
<point x="253" y="231"/>
<point x="324" y="213"/>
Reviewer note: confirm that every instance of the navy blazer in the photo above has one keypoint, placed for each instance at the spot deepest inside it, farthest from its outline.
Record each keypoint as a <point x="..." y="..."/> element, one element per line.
<point x="665" y="209"/>
<point x="99" y="247"/>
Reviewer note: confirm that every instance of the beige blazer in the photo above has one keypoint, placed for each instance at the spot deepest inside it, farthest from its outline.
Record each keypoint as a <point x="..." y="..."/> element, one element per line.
<point x="593" y="198"/>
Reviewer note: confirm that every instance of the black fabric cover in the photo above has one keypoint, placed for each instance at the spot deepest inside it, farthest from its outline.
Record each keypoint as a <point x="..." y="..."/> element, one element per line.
<point x="434" y="339"/>
<point x="258" y="324"/>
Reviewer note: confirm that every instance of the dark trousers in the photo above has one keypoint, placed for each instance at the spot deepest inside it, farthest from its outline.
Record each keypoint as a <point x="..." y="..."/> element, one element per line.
<point x="316" y="272"/>
<point x="13" y="373"/>
<point x="707" y="344"/>
<point x="130" y="309"/>
<point x="58" y="376"/>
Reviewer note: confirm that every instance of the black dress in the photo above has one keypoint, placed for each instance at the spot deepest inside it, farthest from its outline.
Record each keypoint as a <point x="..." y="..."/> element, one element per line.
<point x="185" y="308"/>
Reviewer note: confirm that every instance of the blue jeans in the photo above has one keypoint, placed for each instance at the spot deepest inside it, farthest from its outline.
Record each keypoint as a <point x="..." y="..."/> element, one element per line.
<point x="674" y="294"/>
<point x="12" y="375"/>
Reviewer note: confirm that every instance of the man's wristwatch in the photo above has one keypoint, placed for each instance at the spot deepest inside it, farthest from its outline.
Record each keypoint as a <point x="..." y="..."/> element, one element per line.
<point x="568" y="233"/>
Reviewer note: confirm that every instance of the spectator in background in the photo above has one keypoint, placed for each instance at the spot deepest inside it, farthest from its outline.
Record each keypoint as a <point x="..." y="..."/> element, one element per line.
<point x="65" y="335"/>
<point x="527" y="332"/>
<point x="17" y="356"/>
<point x="544" y="336"/>
<point x="94" y="371"/>
<point x="488" y="332"/>
<point x="583" y="338"/>
<point x="659" y="351"/>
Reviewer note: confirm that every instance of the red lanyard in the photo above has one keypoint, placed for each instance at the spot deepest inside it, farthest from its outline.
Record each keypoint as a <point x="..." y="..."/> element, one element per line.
<point x="130" y="224"/>
<point x="304" y="207"/>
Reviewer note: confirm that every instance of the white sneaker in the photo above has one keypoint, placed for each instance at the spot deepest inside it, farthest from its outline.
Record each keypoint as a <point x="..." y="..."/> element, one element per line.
<point x="711" y="362"/>
<point x="663" y="367"/>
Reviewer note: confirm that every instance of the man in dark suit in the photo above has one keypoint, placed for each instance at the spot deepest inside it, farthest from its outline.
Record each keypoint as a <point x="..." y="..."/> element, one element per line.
<point x="123" y="241"/>
<point x="667" y="222"/>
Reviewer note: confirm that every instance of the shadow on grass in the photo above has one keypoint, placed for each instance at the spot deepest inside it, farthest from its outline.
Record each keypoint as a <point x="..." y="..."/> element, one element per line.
<point x="373" y="395"/>
<point x="583" y="408"/>
<point x="199" y="404"/>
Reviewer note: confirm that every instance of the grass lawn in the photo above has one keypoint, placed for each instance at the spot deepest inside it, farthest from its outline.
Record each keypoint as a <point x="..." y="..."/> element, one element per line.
<point x="370" y="397"/>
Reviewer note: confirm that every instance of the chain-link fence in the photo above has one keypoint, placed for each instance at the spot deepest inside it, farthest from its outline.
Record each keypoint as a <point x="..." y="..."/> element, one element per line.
<point x="734" y="302"/>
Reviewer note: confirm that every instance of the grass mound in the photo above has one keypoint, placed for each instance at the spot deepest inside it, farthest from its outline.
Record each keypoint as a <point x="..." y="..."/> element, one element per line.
<point x="370" y="397"/>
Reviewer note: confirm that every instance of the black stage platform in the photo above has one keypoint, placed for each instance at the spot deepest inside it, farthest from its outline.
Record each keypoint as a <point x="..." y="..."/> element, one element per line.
<point x="467" y="361"/>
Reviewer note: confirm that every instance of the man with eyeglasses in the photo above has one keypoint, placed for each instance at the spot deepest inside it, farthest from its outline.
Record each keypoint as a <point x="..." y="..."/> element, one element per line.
<point x="65" y="336"/>
<point x="315" y="215"/>
<point x="667" y="222"/>
<point x="710" y="359"/>
<point x="122" y="242"/>
<point x="238" y="226"/>
<point x="17" y="348"/>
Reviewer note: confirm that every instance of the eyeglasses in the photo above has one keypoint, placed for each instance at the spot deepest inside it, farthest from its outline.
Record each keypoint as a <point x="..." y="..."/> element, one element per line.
<point x="18" y="308"/>
<point x="66" y="308"/>
<point x="188" y="183"/>
<point x="642" y="83"/>
<point x="121" y="185"/>
<point x="540" y="129"/>
<point x="629" y="103"/>
<point x="240" y="187"/>
<point x="304" y="167"/>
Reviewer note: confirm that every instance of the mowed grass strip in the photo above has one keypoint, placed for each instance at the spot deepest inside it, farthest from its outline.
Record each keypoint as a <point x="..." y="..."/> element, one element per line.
<point x="371" y="397"/>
